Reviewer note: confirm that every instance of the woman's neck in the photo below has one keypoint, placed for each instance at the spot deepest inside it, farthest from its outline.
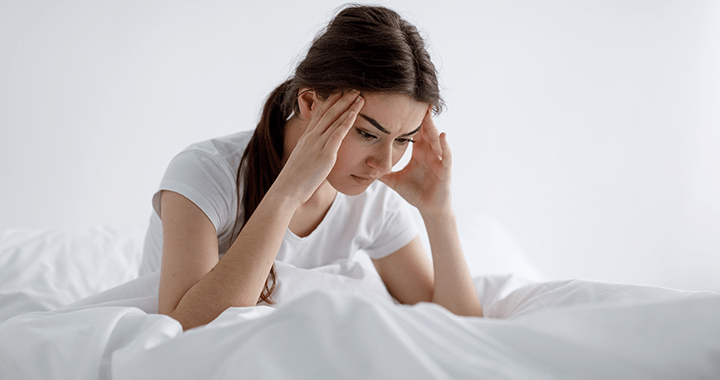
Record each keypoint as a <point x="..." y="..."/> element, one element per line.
<point x="311" y="213"/>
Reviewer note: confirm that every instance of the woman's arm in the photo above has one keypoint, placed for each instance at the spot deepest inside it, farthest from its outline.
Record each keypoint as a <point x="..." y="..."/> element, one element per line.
<point x="195" y="287"/>
<point x="411" y="277"/>
<point x="408" y="273"/>
<point x="454" y="288"/>
<point x="425" y="183"/>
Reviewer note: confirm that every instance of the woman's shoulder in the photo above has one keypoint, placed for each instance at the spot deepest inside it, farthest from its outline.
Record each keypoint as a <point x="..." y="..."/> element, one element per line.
<point x="207" y="167"/>
<point x="223" y="146"/>
<point x="224" y="152"/>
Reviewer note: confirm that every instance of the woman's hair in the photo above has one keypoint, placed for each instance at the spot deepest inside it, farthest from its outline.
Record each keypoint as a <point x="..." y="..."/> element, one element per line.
<point x="366" y="48"/>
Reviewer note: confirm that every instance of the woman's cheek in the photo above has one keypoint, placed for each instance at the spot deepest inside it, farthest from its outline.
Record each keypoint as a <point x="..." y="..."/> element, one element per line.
<point x="398" y="154"/>
<point x="348" y="151"/>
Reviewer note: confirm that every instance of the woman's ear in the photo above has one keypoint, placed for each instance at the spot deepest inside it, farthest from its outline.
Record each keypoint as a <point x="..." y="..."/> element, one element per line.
<point x="307" y="102"/>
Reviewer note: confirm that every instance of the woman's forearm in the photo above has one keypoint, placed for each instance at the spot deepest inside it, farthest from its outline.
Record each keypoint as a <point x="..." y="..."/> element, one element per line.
<point x="239" y="278"/>
<point x="454" y="288"/>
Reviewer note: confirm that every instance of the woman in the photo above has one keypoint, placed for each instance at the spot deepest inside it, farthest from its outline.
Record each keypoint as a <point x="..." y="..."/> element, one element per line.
<point x="303" y="187"/>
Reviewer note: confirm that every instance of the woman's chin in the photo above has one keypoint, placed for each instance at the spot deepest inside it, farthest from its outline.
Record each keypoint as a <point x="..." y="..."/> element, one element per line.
<point x="351" y="188"/>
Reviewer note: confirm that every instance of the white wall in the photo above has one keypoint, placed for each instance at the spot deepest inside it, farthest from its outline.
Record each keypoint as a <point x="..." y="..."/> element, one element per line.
<point x="589" y="129"/>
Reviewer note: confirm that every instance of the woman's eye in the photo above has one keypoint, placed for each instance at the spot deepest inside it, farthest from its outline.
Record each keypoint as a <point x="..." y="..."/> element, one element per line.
<point x="404" y="141"/>
<point x="366" y="136"/>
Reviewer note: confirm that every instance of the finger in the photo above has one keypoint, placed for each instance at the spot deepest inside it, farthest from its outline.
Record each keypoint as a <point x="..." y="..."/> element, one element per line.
<point x="331" y="100"/>
<point x="432" y="133"/>
<point x="338" y="133"/>
<point x="342" y="121"/>
<point x="336" y="111"/>
<point x="447" y="153"/>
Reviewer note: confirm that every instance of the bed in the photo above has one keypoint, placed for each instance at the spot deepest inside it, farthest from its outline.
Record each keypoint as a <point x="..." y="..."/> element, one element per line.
<point x="73" y="307"/>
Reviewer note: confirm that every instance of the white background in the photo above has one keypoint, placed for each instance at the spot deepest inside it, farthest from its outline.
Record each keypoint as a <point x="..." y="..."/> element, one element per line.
<point x="590" y="130"/>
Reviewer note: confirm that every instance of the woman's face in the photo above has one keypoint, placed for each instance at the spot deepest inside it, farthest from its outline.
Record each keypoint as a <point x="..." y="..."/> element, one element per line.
<point x="384" y="129"/>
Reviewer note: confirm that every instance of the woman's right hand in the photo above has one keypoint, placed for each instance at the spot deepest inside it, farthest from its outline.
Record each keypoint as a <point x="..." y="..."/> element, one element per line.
<point x="315" y="153"/>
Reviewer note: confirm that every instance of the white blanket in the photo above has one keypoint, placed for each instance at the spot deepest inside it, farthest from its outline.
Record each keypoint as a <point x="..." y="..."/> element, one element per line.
<point x="553" y="330"/>
<point x="338" y="322"/>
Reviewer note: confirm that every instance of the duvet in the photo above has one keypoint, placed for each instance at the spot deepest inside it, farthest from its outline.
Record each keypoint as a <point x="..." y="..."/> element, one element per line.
<point x="338" y="322"/>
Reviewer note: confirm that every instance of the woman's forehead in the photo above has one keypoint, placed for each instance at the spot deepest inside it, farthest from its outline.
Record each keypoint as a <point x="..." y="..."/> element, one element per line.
<point x="393" y="113"/>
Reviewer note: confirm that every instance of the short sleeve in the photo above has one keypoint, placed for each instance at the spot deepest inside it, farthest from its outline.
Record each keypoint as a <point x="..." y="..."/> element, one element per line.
<point x="203" y="180"/>
<point x="397" y="227"/>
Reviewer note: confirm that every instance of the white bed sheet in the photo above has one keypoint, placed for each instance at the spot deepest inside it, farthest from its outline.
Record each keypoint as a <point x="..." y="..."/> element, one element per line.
<point x="570" y="329"/>
<point x="47" y="268"/>
<point x="554" y="330"/>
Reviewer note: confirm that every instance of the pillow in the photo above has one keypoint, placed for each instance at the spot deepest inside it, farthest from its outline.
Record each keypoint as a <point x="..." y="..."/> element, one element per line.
<point x="44" y="269"/>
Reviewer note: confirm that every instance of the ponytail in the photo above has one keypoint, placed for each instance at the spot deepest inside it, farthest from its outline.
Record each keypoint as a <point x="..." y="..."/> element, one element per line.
<point x="260" y="165"/>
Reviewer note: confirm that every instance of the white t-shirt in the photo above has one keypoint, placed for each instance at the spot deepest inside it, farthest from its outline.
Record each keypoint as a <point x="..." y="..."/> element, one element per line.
<point x="377" y="221"/>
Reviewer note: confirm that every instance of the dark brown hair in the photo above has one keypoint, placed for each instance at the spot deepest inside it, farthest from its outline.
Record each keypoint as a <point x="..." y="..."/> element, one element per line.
<point x="366" y="48"/>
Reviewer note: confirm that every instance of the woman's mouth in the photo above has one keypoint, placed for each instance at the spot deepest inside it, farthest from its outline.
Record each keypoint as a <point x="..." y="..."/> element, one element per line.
<point x="361" y="180"/>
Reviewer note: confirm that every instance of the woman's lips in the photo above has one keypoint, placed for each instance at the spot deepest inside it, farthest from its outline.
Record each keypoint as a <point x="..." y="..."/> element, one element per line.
<point x="362" y="180"/>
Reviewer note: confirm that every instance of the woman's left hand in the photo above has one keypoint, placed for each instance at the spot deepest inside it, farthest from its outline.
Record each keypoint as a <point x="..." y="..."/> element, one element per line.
<point x="425" y="181"/>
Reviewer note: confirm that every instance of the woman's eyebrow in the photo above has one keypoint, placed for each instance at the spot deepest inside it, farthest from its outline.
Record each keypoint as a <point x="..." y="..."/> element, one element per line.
<point x="382" y="129"/>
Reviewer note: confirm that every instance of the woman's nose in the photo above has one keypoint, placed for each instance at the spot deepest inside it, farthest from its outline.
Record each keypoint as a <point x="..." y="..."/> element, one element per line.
<point x="381" y="160"/>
